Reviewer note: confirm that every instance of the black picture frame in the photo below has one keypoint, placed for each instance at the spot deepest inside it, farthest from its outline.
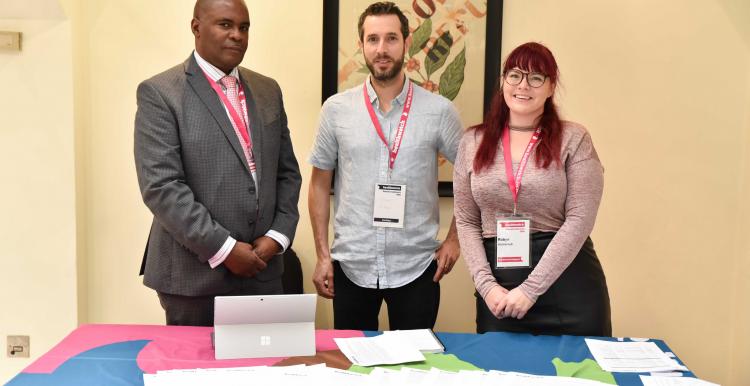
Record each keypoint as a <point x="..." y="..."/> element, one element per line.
<point x="493" y="39"/>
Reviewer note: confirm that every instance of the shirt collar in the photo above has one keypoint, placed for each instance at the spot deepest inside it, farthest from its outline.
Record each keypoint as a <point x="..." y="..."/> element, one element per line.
<point x="213" y="72"/>
<point x="399" y="99"/>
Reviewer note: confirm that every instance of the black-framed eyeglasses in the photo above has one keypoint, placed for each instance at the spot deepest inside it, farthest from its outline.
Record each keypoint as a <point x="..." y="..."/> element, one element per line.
<point x="514" y="77"/>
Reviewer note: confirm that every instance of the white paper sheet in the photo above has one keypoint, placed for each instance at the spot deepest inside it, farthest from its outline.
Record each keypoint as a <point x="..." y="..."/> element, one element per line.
<point x="384" y="349"/>
<point x="414" y="376"/>
<point x="523" y="379"/>
<point x="631" y="357"/>
<point x="424" y="340"/>
<point x="319" y="375"/>
<point x="674" y="381"/>
<point x="440" y="377"/>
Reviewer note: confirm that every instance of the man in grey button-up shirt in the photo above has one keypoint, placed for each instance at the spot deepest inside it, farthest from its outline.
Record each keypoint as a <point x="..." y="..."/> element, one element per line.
<point x="369" y="264"/>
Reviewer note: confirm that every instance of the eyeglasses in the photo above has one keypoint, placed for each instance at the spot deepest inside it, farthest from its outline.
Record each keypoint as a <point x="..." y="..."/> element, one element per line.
<point x="534" y="79"/>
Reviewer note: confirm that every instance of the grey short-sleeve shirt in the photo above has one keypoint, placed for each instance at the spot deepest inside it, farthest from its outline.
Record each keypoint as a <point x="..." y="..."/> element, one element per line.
<point x="348" y="143"/>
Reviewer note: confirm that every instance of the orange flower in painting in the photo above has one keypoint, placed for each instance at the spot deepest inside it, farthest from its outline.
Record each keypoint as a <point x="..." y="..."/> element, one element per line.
<point x="430" y="86"/>
<point x="412" y="65"/>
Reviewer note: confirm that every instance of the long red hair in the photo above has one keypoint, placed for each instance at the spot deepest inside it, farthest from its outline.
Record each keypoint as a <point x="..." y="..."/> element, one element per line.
<point x="528" y="57"/>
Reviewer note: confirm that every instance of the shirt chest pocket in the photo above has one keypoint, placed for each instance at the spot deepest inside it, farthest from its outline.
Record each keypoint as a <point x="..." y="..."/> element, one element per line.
<point x="417" y="158"/>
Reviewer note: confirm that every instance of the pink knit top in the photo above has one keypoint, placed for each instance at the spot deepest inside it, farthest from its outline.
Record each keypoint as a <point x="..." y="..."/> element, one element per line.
<point x="560" y="199"/>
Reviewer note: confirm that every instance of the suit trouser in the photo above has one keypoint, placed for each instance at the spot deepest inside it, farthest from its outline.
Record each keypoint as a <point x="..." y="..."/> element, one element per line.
<point x="412" y="306"/>
<point x="199" y="310"/>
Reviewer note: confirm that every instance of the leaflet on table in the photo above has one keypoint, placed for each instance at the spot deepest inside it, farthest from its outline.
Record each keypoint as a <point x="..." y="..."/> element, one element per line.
<point x="384" y="349"/>
<point x="423" y="339"/>
<point x="320" y="375"/>
<point x="631" y="357"/>
<point x="674" y="381"/>
<point x="514" y="378"/>
<point x="301" y="375"/>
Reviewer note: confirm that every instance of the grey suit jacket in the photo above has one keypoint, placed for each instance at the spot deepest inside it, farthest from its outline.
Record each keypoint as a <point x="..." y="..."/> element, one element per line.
<point x="194" y="179"/>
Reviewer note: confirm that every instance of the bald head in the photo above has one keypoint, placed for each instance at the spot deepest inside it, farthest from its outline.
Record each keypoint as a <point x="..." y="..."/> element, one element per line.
<point x="221" y="29"/>
<point x="201" y="6"/>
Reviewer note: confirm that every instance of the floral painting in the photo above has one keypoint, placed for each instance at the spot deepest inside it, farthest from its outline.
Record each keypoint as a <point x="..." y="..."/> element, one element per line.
<point x="447" y="54"/>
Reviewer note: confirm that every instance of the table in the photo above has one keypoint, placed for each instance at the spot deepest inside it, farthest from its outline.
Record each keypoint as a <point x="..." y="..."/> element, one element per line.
<point x="101" y="354"/>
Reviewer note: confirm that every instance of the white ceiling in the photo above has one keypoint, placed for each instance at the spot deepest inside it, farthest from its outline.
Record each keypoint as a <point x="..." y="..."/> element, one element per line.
<point x="31" y="10"/>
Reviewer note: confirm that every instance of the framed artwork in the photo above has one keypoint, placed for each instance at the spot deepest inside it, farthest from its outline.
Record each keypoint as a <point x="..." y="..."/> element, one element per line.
<point x="455" y="52"/>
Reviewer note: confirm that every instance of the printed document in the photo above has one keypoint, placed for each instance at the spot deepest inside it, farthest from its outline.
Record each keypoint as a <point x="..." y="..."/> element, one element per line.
<point x="631" y="357"/>
<point x="424" y="339"/>
<point x="385" y="349"/>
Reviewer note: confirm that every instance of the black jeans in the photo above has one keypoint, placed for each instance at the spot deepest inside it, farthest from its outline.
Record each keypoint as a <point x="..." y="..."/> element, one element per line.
<point x="411" y="306"/>
<point x="577" y="303"/>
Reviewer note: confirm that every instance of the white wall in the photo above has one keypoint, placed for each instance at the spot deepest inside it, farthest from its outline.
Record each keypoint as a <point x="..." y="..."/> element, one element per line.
<point x="37" y="194"/>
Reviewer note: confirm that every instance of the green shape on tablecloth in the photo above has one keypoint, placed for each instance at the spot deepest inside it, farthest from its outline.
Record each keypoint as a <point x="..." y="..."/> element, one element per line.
<point x="447" y="362"/>
<point x="587" y="369"/>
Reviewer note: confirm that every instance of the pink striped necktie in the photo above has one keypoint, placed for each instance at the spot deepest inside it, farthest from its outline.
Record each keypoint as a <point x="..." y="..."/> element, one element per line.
<point x="231" y="85"/>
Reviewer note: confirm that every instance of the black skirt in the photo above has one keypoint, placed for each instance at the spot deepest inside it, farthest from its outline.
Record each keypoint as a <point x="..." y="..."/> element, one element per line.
<point x="576" y="304"/>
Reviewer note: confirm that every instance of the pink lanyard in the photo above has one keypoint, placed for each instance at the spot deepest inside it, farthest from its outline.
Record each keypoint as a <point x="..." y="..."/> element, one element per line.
<point x="514" y="183"/>
<point x="242" y="127"/>
<point x="401" y="124"/>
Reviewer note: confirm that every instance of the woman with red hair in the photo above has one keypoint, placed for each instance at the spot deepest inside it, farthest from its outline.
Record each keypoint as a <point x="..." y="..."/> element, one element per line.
<point x="527" y="188"/>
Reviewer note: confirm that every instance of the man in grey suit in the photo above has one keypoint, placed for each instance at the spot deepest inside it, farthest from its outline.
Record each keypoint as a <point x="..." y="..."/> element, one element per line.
<point x="216" y="168"/>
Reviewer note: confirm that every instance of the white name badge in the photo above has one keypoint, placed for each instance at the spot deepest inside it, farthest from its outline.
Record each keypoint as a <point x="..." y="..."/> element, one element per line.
<point x="390" y="201"/>
<point x="513" y="242"/>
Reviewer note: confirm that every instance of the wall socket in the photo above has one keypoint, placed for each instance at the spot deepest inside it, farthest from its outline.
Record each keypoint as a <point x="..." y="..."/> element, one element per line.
<point x="10" y="41"/>
<point x="19" y="346"/>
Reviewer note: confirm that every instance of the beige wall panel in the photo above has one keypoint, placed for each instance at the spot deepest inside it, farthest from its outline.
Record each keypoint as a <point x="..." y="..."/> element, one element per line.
<point x="127" y="42"/>
<point x="635" y="74"/>
<point x="38" y="189"/>
<point x="740" y="372"/>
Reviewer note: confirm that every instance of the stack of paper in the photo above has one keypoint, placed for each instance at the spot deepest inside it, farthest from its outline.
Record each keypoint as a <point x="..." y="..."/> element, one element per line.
<point x="424" y="339"/>
<point x="631" y="357"/>
<point x="385" y="349"/>
<point x="320" y="375"/>
<point x="391" y="347"/>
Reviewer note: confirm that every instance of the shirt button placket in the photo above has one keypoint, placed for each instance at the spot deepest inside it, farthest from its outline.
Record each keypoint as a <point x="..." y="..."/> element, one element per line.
<point x="380" y="232"/>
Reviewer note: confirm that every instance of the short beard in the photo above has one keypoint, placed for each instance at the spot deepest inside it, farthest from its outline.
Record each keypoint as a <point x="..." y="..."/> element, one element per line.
<point x="398" y="65"/>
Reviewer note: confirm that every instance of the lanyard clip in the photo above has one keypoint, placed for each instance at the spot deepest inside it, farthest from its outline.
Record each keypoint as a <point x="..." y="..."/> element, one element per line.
<point x="514" y="209"/>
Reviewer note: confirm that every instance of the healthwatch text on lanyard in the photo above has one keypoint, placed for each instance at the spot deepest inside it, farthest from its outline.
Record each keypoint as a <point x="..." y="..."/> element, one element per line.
<point x="514" y="229"/>
<point x="390" y="198"/>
